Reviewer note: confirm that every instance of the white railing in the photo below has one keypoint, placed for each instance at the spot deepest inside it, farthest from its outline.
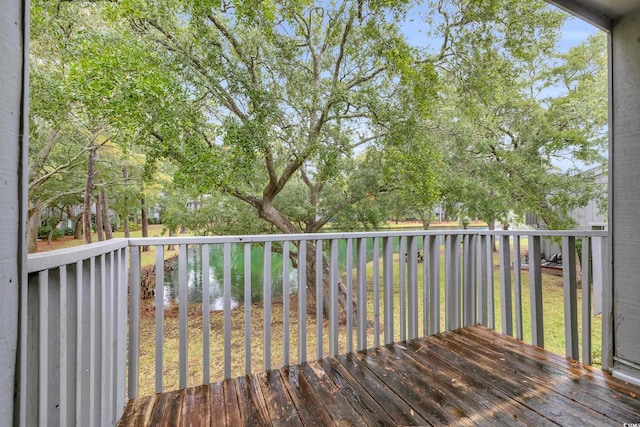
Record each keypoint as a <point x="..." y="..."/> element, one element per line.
<point x="73" y="336"/>
<point x="74" y="341"/>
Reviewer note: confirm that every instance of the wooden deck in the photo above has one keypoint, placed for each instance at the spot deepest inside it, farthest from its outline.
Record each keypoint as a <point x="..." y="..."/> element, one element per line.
<point x="472" y="376"/>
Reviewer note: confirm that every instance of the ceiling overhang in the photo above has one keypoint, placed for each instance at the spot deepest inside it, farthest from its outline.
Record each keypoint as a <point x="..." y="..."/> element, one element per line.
<point x="601" y="13"/>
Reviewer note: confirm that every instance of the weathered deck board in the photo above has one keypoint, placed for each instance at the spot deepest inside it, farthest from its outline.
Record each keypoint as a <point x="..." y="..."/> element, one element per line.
<point x="472" y="376"/>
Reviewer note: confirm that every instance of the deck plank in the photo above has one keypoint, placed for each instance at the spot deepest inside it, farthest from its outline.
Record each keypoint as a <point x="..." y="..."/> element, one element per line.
<point x="310" y="408"/>
<point x="566" y="382"/>
<point x="367" y="406"/>
<point x="471" y="376"/>
<point x="337" y="405"/>
<point x="216" y="404"/>
<point x="543" y="400"/>
<point x="168" y="409"/>
<point x="232" y="412"/>
<point x="281" y="408"/>
<point x="418" y="390"/>
<point x="138" y="412"/>
<point x="592" y="376"/>
<point x="394" y="405"/>
<point x="196" y="409"/>
<point x="252" y="405"/>
<point x="468" y="397"/>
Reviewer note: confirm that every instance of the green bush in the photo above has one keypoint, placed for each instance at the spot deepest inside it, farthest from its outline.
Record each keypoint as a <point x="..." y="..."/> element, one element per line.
<point x="43" y="232"/>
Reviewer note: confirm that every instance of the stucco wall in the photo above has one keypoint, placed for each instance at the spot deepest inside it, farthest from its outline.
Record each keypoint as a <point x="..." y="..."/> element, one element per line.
<point x="625" y="193"/>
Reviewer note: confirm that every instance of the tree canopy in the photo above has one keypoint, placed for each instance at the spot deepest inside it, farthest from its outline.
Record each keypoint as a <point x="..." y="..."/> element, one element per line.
<point x="299" y="113"/>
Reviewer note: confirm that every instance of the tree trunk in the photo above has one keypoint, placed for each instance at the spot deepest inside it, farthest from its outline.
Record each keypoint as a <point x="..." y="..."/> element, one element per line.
<point x="143" y="214"/>
<point x="105" y="216"/>
<point x="491" y="225"/>
<point x="127" y="231"/>
<point x="99" y="224"/>
<point x="32" y="233"/>
<point x="88" y="193"/>
<point x="77" y="232"/>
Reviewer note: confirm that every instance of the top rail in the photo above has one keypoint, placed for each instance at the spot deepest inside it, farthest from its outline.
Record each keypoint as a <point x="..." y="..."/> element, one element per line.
<point x="177" y="240"/>
<point x="53" y="259"/>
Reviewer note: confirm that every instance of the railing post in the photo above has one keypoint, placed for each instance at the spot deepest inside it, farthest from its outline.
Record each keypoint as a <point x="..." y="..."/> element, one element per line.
<point x="467" y="281"/>
<point x="505" y="286"/>
<point x="206" y="319"/>
<point x="319" y="302"/>
<point x="452" y="282"/>
<point x="302" y="301"/>
<point x="412" y="288"/>
<point x="535" y="291"/>
<point x="387" y="260"/>
<point x="376" y="291"/>
<point x="586" y="300"/>
<point x="607" y="307"/>
<point x="285" y="303"/>
<point x="483" y="283"/>
<point x="362" y="293"/>
<point x="333" y="303"/>
<point x="570" y="296"/>
<point x="247" y="308"/>
<point x="134" y="323"/>
<point x="349" y="305"/>
<point x="433" y="258"/>
<point x="517" y="282"/>
<point x="402" y="266"/>
<point x="491" y="299"/>
<point x="159" y="303"/>
<point x="266" y="313"/>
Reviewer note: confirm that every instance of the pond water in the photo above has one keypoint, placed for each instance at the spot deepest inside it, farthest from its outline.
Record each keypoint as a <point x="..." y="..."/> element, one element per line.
<point x="216" y="272"/>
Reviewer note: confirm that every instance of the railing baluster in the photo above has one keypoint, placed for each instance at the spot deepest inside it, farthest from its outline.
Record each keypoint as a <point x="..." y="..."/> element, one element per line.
<point x="96" y="333"/>
<point x="319" y="302"/>
<point x="123" y="284"/>
<point x="226" y="284"/>
<point x="376" y="291"/>
<point x="285" y="302"/>
<point x="490" y="283"/>
<point x="586" y="300"/>
<point x="467" y="282"/>
<point x="449" y="283"/>
<point x="113" y="343"/>
<point x="349" y="280"/>
<point x="402" y="263"/>
<point x="206" y="316"/>
<point x="452" y="282"/>
<point x="102" y="351"/>
<point x="266" y="298"/>
<point x="535" y="291"/>
<point x="333" y="304"/>
<point x="483" y="283"/>
<point x="434" y="284"/>
<point x="570" y="296"/>
<point x="79" y="343"/>
<point x="505" y="286"/>
<point x="475" y="245"/>
<point x="387" y="271"/>
<point x="64" y="345"/>
<point x="182" y="315"/>
<point x="43" y="342"/>
<point x="302" y="301"/>
<point x="134" y="323"/>
<point x="426" y="312"/>
<point x="159" y="308"/>
<point x="517" y="283"/>
<point x="362" y="293"/>
<point x="412" y="286"/>
<point x="247" y="308"/>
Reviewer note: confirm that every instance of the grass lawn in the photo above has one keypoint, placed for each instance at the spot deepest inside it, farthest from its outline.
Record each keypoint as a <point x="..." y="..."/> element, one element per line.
<point x="553" y="302"/>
